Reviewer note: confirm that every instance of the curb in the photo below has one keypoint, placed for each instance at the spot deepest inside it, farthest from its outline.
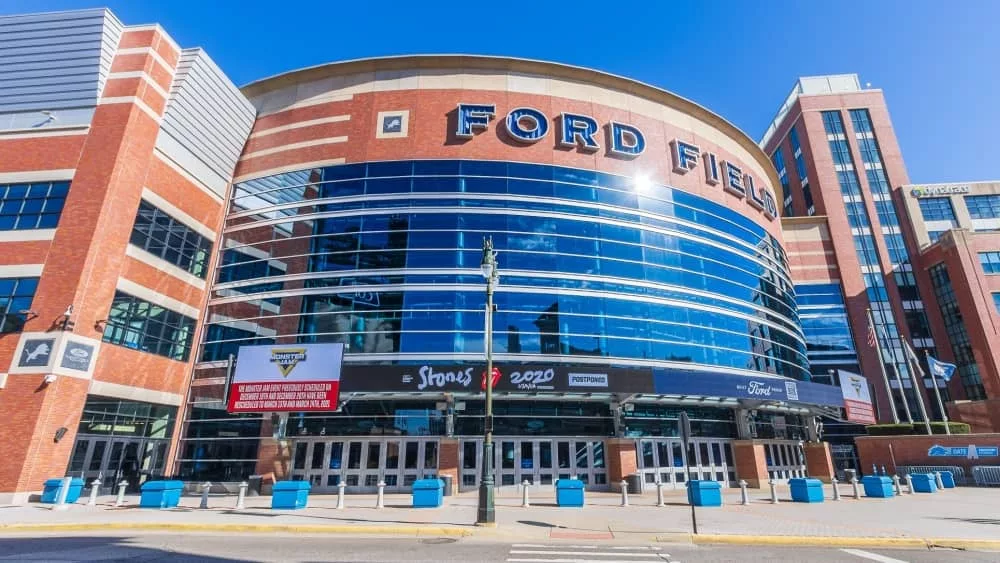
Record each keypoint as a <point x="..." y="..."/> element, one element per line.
<point x="451" y="531"/>
<point x="832" y="541"/>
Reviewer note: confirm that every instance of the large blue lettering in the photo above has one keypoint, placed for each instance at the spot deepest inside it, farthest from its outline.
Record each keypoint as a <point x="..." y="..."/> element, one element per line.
<point x="537" y="124"/>
<point x="626" y="140"/>
<point x="472" y="117"/>
<point x="578" y="130"/>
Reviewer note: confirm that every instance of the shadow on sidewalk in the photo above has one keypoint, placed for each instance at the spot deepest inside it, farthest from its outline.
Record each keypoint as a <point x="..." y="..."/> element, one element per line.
<point x="990" y="521"/>
<point x="299" y="514"/>
<point x="120" y="548"/>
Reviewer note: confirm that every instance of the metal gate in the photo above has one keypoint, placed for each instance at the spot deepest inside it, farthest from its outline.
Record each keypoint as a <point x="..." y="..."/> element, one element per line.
<point x="785" y="459"/>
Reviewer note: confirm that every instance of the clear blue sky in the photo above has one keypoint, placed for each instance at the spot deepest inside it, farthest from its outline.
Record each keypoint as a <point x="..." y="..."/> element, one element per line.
<point x="938" y="62"/>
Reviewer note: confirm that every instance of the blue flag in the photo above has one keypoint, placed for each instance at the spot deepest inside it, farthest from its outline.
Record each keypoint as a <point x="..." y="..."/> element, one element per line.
<point x="940" y="369"/>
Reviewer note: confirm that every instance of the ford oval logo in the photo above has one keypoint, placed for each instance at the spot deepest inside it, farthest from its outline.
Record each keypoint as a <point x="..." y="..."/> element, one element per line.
<point x="79" y="353"/>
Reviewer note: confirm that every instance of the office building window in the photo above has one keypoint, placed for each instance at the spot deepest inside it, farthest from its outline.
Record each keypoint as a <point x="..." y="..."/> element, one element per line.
<point x="141" y="325"/>
<point x="996" y="302"/>
<point x="958" y="336"/>
<point x="937" y="209"/>
<point x="983" y="206"/>
<point x="935" y="235"/>
<point x="165" y="237"/>
<point x="990" y="262"/>
<point x="31" y="206"/>
<point x="15" y="296"/>
<point x="800" y="161"/>
<point x="786" y="194"/>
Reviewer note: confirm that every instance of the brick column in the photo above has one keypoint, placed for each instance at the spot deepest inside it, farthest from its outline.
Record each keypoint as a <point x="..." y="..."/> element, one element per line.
<point x="751" y="463"/>
<point x="622" y="458"/>
<point x="274" y="458"/>
<point x="448" y="461"/>
<point x="819" y="463"/>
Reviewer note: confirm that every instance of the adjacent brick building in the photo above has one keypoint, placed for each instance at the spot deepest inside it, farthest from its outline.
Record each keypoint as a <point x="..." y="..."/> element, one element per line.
<point x="116" y="150"/>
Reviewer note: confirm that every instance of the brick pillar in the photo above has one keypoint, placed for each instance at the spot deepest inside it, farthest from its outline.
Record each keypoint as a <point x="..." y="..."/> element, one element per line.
<point x="751" y="463"/>
<point x="622" y="458"/>
<point x="448" y="461"/>
<point x="274" y="458"/>
<point x="34" y="412"/>
<point x="819" y="463"/>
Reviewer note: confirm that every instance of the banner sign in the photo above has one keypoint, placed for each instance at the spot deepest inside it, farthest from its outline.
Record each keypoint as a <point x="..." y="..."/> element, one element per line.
<point x="282" y="378"/>
<point x="429" y="378"/>
<point x="970" y="452"/>
<point x="857" y="398"/>
<point x="682" y="382"/>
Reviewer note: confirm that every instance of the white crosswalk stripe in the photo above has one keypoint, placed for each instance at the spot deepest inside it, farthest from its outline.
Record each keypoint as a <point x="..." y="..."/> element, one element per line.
<point x="872" y="556"/>
<point x="562" y="553"/>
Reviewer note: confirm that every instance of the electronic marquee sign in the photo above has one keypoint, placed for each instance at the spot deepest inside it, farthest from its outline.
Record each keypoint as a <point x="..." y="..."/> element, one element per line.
<point x="529" y="125"/>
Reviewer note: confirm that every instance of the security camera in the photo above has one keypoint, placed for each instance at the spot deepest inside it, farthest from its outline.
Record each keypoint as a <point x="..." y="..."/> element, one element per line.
<point x="50" y="378"/>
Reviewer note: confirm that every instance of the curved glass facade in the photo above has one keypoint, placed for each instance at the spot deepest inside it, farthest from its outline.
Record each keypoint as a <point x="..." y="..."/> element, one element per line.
<point x="384" y="257"/>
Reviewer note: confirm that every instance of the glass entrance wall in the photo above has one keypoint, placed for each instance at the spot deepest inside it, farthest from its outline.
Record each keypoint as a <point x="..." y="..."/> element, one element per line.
<point x="362" y="463"/>
<point x="539" y="461"/>
<point x="387" y="256"/>
<point x="665" y="461"/>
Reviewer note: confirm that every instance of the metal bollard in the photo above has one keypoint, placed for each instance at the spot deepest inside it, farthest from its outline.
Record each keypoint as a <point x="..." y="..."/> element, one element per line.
<point x="909" y="484"/>
<point x="938" y="481"/>
<point x="63" y="492"/>
<point x="204" y="494"/>
<point x="524" y="494"/>
<point x="854" y="485"/>
<point x="95" y="487"/>
<point x="340" y="495"/>
<point x="895" y="483"/>
<point x="883" y="471"/>
<point x="659" y="494"/>
<point x="744" y="495"/>
<point x="380" y="499"/>
<point x="241" y="499"/>
<point x="121" y="493"/>
<point x="624" y="492"/>
<point x="836" y="488"/>
<point x="774" y="491"/>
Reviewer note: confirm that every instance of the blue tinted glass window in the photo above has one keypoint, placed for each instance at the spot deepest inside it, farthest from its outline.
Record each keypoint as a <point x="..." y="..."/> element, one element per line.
<point x="16" y="295"/>
<point x="141" y="325"/>
<point x="167" y="238"/>
<point x="990" y="262"/>
<point x="31" y="206"/>
<point x="937" y="209"/>
<point x="983" y="206"/>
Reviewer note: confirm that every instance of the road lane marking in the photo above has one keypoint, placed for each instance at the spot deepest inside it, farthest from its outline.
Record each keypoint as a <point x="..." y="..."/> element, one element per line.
<point x="548" y="560"/>
<point x="872" y="556"/>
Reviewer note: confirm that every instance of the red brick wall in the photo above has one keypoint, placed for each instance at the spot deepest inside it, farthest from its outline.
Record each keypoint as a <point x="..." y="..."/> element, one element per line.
<point x="751" y="462"/>
<point x="912" y="450"/>
<point x="622" y="459"/>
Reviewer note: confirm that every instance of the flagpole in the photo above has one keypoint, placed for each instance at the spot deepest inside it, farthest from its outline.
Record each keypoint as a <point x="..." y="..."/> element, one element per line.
<point x="916" y="383"/>
<point x="937" y="392"/>
<point x="885" y="376"/>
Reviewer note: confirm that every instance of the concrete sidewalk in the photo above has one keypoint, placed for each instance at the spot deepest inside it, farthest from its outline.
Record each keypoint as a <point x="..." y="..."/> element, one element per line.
<point x="964" y="517"/>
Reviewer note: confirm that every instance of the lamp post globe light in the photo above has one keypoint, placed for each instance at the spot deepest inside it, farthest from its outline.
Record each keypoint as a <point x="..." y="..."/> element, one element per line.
<point x="486" y="514"/>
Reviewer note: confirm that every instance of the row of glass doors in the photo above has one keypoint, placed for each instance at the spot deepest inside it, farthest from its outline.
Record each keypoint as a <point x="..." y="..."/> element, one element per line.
<point x="664" y="460"/>
<point x="134" y="460"/>
<point x="363" y="463"/>
<point x="539" y="461"/>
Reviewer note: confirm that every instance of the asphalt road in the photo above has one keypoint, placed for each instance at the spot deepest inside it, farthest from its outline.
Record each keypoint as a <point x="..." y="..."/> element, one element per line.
<point x="209" y="548"/>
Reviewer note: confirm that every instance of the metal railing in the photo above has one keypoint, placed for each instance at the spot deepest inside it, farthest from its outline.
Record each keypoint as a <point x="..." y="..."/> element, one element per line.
<point x="956" y="471"/>
<point x="986" y="475"/>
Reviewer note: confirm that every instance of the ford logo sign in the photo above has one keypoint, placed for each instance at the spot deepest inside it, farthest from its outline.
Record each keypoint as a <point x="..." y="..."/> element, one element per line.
<point x="79" y="353"/>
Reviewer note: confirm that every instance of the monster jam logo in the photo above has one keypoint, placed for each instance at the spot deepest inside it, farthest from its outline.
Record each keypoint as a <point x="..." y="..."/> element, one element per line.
<point x="287" y="358"/>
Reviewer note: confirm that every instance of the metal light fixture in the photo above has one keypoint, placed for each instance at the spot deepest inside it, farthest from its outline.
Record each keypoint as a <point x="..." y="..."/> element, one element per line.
<point x="486" y="513"/>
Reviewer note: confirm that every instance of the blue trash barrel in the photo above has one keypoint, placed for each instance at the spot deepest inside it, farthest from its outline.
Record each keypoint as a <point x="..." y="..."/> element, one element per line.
<point x="428" y="493"/>
<point x="806" y="490"/>
<point x="704" y="493"/>
<point x="50" y="490"/>
<point x="878" y="486"/>
<point x="290" y="495"/>
<point x="569" y="492"/>
<point x="160" y="494"/>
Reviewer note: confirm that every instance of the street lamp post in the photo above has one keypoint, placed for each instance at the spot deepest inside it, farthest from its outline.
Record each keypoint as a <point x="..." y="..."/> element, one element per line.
<point x="486" y="515"/>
